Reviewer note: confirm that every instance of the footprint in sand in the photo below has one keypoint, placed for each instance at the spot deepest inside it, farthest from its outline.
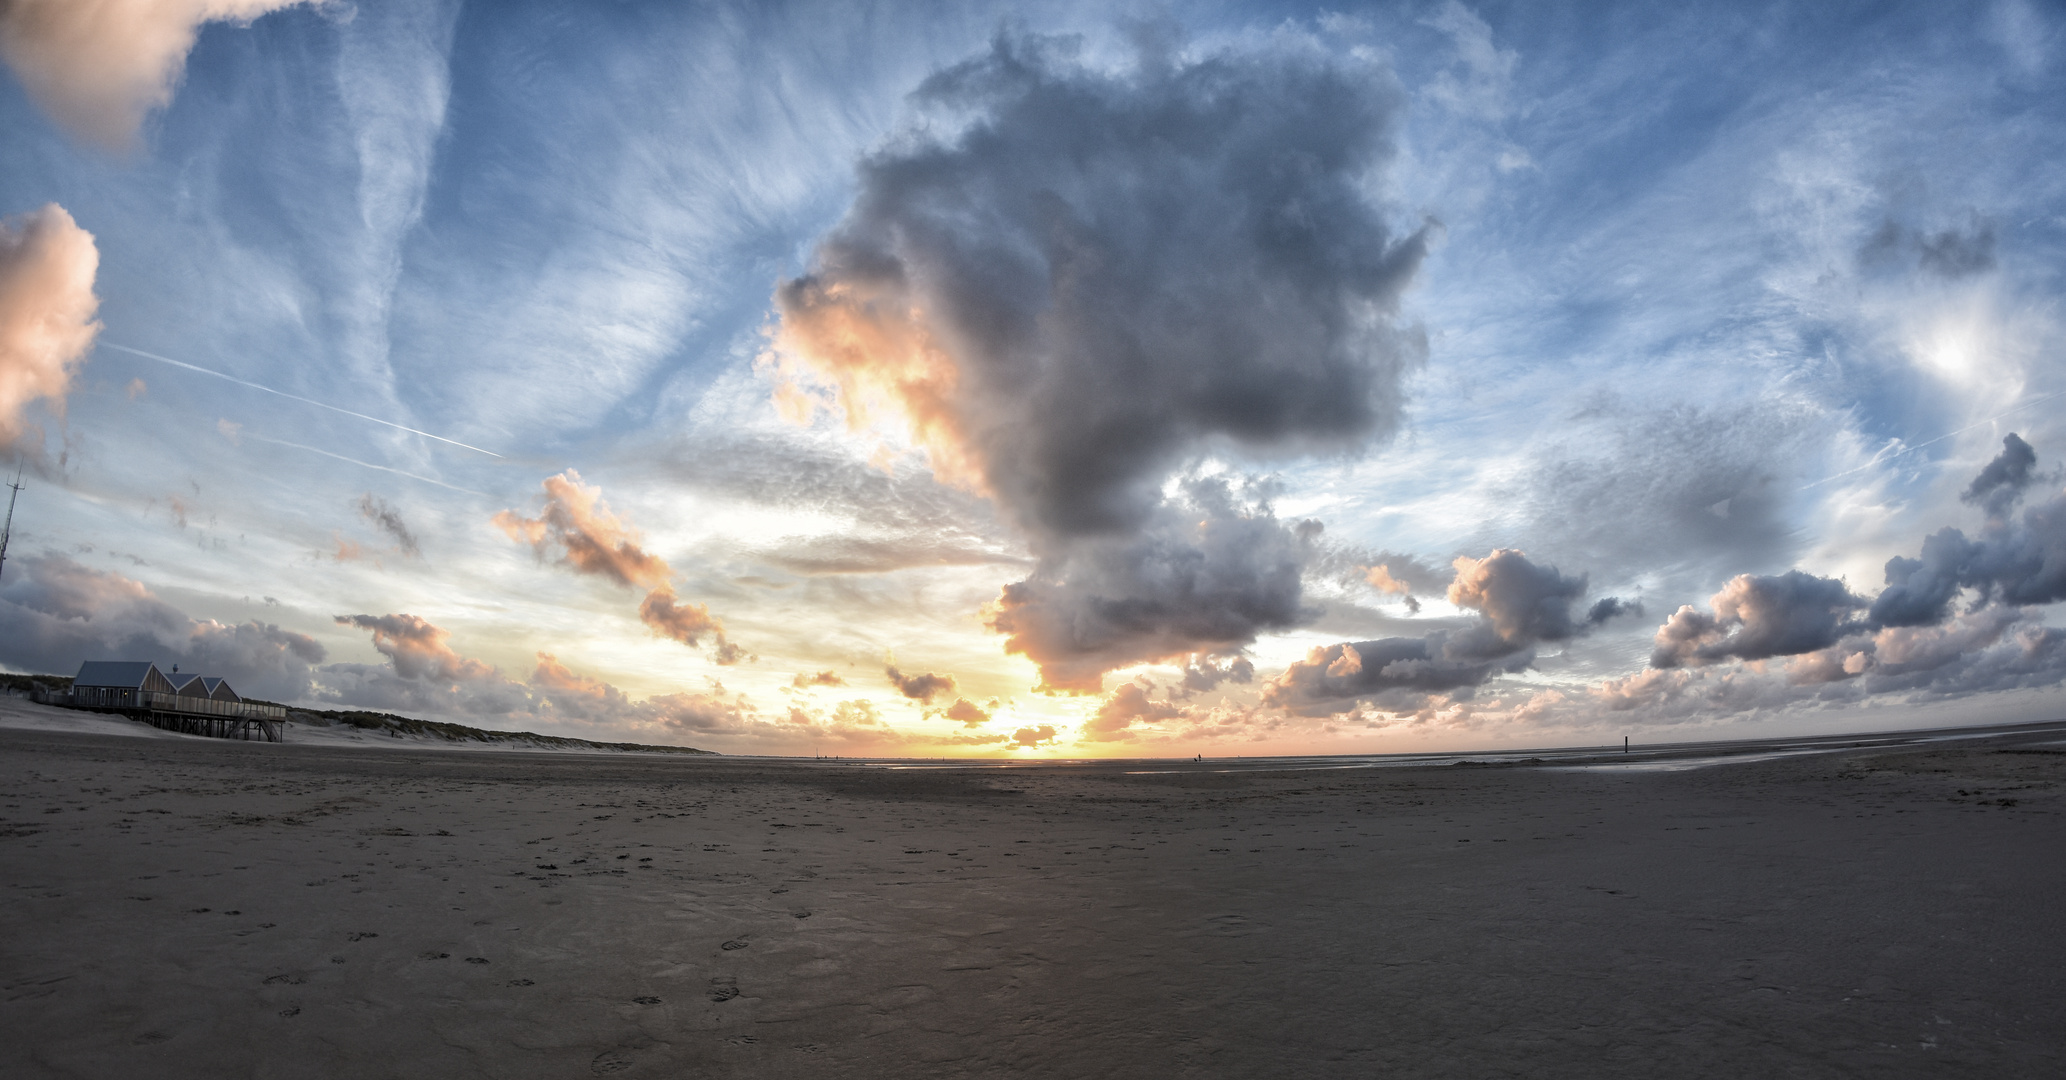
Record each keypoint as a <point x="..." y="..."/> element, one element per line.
<point x="291" y="1010"/>
<point x="433" y="955"/>
<point x="647" y="1000"/>
<point x="476" y="959"/>
<point x="610" y="1061"/>
<point x="361" y="935"/>
<point x="723" y="989"/>
<point x="731" y="945"/>
<point x="519" y="982"/>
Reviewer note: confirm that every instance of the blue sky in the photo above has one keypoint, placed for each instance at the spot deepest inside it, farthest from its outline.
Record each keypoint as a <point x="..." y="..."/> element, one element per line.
<point x="1674" y="301"/>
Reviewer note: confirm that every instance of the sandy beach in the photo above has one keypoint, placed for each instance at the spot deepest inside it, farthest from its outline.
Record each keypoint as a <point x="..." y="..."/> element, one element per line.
<point x="186" y="907"/>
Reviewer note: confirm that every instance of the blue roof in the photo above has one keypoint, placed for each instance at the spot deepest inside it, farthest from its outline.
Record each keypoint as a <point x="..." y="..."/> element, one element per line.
<point x="124" y="673"/>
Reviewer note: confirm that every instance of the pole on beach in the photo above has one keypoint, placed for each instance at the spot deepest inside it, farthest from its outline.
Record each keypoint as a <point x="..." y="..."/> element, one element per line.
<point x="7" y="530"/>
<point x="1624" y="744"/>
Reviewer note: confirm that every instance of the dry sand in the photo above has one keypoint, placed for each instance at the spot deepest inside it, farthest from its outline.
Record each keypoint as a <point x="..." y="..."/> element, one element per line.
<point x="184" y="907"/>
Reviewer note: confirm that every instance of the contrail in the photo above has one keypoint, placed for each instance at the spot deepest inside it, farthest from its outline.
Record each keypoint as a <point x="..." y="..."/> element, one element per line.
<point x="295" y="397"/>
<point x="356" y="461"/>
<point x="1883" y="456"/>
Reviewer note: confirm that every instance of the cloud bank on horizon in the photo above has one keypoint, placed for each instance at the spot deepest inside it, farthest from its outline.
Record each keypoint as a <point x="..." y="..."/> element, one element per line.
<point x="1263" y="377"/>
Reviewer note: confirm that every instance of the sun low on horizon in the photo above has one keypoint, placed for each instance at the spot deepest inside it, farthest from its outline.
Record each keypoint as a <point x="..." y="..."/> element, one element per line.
<point x="1030" y="381"/>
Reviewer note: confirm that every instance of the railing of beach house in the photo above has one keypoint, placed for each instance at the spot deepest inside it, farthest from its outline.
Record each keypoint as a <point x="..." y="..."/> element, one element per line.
<point x="122" y="698"/>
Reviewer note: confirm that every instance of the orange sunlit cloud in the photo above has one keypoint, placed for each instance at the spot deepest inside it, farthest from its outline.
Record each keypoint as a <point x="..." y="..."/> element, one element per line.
<point x="885" y="366"/>
<point x="591" y="539"/>
<point x="47" y="267"/>
<point x="100" y="66"/>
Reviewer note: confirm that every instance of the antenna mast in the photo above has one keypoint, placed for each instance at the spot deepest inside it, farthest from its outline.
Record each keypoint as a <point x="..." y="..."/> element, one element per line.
<point x="8" y="529"/>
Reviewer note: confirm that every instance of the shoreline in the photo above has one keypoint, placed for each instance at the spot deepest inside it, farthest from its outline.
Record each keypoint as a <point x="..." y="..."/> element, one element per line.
<point x="21" y="714"/>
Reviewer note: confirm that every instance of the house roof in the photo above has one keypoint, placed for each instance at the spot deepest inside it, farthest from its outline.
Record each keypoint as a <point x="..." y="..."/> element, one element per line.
<point x="125" y="673"/>
<point x="219" y="688"/>
<point x="188" y="683"/>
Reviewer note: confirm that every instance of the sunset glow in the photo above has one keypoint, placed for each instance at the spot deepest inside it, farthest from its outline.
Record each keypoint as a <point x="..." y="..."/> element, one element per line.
<point x="1019" y="382"/>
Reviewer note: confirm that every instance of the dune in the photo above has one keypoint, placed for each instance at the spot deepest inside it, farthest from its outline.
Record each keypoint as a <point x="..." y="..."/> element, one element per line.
<point x="353" y="727"/>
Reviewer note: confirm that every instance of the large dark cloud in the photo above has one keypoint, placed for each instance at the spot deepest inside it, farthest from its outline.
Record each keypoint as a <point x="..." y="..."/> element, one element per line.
<point x="1205" y="576"/>
<point x="1099" y="278"/>
<point x="55" y="613"/>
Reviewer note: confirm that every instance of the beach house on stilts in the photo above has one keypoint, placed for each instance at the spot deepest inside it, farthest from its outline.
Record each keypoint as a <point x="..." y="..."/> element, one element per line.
<point x="181" y="701"/>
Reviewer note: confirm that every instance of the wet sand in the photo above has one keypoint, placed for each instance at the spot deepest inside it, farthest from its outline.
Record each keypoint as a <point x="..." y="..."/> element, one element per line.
<point x="182" y="907"/>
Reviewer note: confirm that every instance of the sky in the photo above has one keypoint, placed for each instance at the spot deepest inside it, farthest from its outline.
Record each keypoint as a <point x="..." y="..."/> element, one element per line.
<point x="1045" y="380"/>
